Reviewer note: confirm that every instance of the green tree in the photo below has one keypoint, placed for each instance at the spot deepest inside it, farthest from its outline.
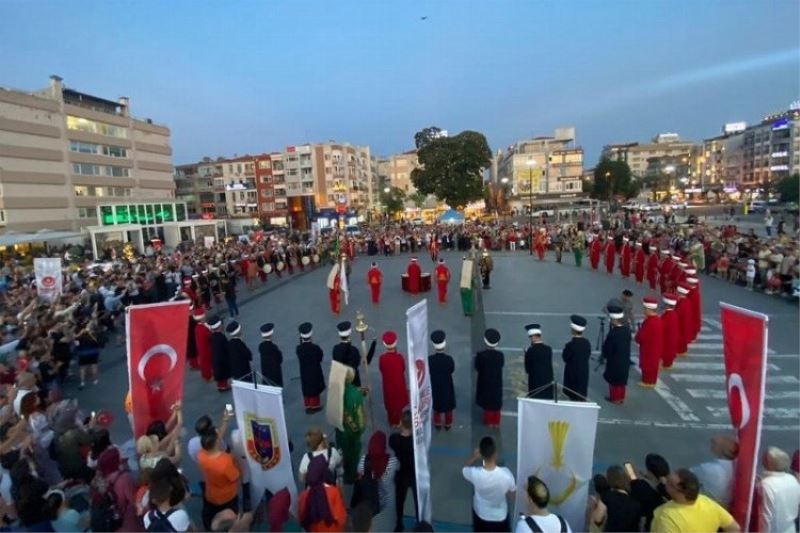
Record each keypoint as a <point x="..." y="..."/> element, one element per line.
<point x="789" y="188"/>
<point x="418" y="198"/>
<point x="393" y="200"/>
<point x="451" y="167"/>
<point x="613" y="178"/>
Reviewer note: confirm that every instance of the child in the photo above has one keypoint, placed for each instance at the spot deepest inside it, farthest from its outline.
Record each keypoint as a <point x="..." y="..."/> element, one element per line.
<point x="751" y="273"/>
<point x="722" y="267"/>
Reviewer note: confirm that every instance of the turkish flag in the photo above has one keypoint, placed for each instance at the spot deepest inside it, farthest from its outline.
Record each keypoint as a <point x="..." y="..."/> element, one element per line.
<point x="157" y="335"/>
<point x="744" y="336"/>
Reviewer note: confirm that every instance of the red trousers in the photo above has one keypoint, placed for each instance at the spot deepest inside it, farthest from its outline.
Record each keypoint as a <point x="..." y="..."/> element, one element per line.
<point x="394" y="416"/>
<point x="376" y="293"/>
<point x="312" y="402"/>
<point x="650" y="371"/>
<point x="491" y="418"/>
<point x="540" y="252"/>
<point x="442" y="288"/>
<point x="336" y="300"/>
<point x="616" y="393"/>
<point x="223" y="384"/>
<point x="193" y="363"/>
<point x="446" y="416"/>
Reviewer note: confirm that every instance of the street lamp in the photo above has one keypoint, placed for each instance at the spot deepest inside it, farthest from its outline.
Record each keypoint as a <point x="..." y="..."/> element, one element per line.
<point x="504" y="181"/>
<point x="531" y="164"/>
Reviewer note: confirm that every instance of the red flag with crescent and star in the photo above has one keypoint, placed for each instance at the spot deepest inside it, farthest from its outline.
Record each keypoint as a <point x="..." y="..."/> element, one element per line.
<point x="157" y="336"/>
<point x="744" y="335"/>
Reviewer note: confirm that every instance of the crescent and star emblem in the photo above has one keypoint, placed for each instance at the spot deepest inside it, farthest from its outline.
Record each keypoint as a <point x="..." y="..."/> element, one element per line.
<point x="159" y="349"/>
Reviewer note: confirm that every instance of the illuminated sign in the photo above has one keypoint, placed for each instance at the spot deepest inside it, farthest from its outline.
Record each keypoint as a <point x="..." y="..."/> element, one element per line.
<point x="779" y="167"/>
<point x="781" y="124"/>
<point x="734" y="127"/>
<point x="113" y="215"/>
<point x="780" y="154"/>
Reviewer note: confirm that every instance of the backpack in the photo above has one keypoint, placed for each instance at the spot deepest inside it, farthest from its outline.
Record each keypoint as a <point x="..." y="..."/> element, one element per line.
<point x="104" y="513"/>
<point x="160" y="521"/>
<point x="365" y="489"/>
<point x="330" y="477"/>
<point x="536" y="529"/>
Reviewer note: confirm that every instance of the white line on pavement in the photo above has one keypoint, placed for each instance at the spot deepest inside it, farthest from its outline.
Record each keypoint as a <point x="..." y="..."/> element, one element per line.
<point x="711" y="322"/>
<point x="720" y="394"/>
<point x="718" y="355"/>
<point x="773" y="412"/>
<point x="678" y="405"/>
<point x="719" y="378"/>
<point x="709" y="337"/>
<point x="683" y="364"/>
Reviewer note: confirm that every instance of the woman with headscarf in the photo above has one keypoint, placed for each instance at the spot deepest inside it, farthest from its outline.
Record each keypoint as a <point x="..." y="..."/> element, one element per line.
<point x="320" y="505"/>
<point x="349" y="440"/>
<point x="382" y="465"/>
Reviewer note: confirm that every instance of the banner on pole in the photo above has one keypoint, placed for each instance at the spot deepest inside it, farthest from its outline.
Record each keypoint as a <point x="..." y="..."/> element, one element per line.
<point x="334" y="403"/>
<point x="262" y="426"/>
<point x="744" y="335"/>
<point x="419" y="383"/>
<point x="345" y="288"/>
<point x="208" y="241"/>
<point x="157" y="336"/>
<point x="563" y="460"/>
<point x="49" y="279"/>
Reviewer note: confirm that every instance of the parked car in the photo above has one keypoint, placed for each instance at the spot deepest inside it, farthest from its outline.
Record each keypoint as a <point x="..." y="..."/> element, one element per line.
<point x="757" y="206"/>
<point x="546" y="212"/>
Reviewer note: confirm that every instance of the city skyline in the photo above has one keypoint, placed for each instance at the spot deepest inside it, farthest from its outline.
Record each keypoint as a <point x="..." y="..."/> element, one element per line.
<point x="255" y="77"/>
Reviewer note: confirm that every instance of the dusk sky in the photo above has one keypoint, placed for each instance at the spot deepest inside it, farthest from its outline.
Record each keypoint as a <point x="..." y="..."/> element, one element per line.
<point x="247" y="77"/>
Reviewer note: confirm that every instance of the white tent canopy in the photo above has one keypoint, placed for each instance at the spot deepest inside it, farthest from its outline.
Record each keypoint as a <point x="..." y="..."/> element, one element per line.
<point x="11" y="238"/>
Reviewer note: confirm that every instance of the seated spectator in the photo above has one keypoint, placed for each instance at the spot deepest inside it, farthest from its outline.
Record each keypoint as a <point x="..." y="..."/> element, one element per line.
<point x="716" y="477"/>
<point x="689" y="511"/>
<point x="321" y="507"/>
<point x="780" y="493"/>
<point x="540" y="519"/>
<point x="649" y="489"/>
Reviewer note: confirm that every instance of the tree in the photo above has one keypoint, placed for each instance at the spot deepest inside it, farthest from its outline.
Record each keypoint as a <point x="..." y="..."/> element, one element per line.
<point x="613" y="178"/>
<point x="418" y="198"/>
<point x="451" y="167"/>
<point x="789" y="188"/>
<point x="393" y="200"/>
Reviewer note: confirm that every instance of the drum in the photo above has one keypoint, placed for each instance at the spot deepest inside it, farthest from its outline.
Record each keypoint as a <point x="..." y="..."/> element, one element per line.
<point x="293" y="262"/>
<point x="425" y="282"/>
<point x="315" y="258"/>
<point x="305" y="260"/>
<point x="404" y="282"/>
<point x="267" y="268"/>
<point x="280" y="266"/>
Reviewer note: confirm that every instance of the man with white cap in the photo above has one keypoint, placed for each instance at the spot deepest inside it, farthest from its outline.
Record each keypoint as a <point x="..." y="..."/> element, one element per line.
<point x="576" y="355"/>
<point x="610" y="251"/>
<point x="375" y="280"/>
<point x="271" y="357"/>
<point x="617" y="355"/>
<point x="220" y="359"/>
<point x="442" y="274"/>
<point x="202" y="337"/>
<point x="626" y="255"/>
<point x="414" y="276"/>
<point x="650" y="338"/>
<point x="685" y="321"/>
<point x="538" y="365"/>
<point x="489" y="365"/>
<point x="665" y="271"/>
<point x="392" y="366"/>
<point x="312" y="381"/>
<point x="694" y="298"/>
<point x="653" y="267"/>
<point x="344" y="352"/>
<point x="239" y="353"/>
<point x="639" y="262"/>
<point x="441" y="367"/>
<point x="671" y="329"/>
<point x="486" y="266"/>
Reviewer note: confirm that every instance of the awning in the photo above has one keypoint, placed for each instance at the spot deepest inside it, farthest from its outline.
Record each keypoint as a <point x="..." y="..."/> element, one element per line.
<point x="12" y="238"/>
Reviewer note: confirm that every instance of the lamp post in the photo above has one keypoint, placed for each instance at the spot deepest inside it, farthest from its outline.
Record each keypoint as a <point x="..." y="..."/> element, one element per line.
<point x="531" y="164"/>
<point x="504" y="181"/>
<point x="386" y="191"/>
<point x="361" y="328"/>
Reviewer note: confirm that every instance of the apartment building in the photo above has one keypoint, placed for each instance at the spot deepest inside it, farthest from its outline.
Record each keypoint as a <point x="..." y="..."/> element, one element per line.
<point x="550" y="168"/>
<point x="64" y="152"/>
<point x="397" y="170"/>
<point x="636" y="154"/>
<point x="771" y="149"/>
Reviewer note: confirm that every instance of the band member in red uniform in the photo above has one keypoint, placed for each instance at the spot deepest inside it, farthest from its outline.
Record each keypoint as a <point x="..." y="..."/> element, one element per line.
<point x="202" y="337"/>
<point x="350" y="249"/>
<point x="671" y="328"/>
<point x="684" y="310"/>
<point x="442" y="279"/>
<point x="639" y="263"/>
<point x="626" y="255"/>
<point x="191" y="341"/>
<point x="414" y="275"/>
<point x="189" y="291"/>
<point x="653" y="268"/>
<point x="540" y="243"/>
<point x="650" y="338"/>
<point x="616" y="353"/>
<point x="393" y="368"/>
<point x="678" y="275"/>
<point x="594" y="251"/>
<point x="489" y="365"/>
<point x="375" y="280"/>
<point x="434" y="247"/>
<point x="441" y="367"/>
<point x="665" y="272"/>
<point x="335" y="289"/>
<point x="694" y="297"/>
<point x="610" y="254"/>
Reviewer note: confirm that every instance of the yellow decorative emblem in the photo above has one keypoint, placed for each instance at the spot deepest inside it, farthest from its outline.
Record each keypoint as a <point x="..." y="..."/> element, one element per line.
<point x="562" y="483"/>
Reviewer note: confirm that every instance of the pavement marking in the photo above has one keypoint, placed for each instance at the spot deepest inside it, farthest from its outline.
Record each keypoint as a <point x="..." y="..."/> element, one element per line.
<point x="719" y="355"/>
<point x="678" y="405"/>
<point x="721" y="394"/>
<point x="692" y="378"/>
<point x="705" y="329"/>
<point x="773" y="412"/>
<point x="519" y="349"/>
<point x="709" y="337"/>
<point x="532" y="313"/>
<point x="677" y="425"/>
<point x="683" y="364"/>
<point x="711" y="322"/>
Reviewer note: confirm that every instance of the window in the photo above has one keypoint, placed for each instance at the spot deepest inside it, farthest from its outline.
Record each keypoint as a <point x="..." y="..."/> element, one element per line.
<point x="91" y="190"/>
<point x="86" y="169"/>
<point x="86" y="212"/>
<point x="264" y="164"/>
<point x="92" y="126"/>
<point x="81" y="190"/>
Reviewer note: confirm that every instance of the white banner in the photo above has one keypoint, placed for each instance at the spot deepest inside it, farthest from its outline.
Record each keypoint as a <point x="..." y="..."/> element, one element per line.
<point x="563" y="461"/>
<point x="419" y="383"/>
<point x="345" y="289"/>
<point x="49" y="280"/>
<point x="261" y="422"/>
<point x="208" y="241"/>
<point x="334" y="403"/>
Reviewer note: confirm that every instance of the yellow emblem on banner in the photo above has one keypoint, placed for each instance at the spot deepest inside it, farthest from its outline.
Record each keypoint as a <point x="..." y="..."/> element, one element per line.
<point x="562" y="481"/>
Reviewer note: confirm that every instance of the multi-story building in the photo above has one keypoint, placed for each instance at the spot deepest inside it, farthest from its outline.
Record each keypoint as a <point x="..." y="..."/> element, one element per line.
<point x="637" y="154"/>
<point x="64" y="152"/>
<point x="771" y="149"/>
<point x="719" y="161"/>
<point x="398" y="170"/>
<point x="553" y="166"/>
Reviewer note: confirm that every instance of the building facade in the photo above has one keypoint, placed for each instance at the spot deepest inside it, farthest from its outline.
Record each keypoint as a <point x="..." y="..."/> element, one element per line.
<point x="771" y="149"/>
<point x="63" y="152"/>
<point x="637" y="154"/>
<point x="398" y="170"/>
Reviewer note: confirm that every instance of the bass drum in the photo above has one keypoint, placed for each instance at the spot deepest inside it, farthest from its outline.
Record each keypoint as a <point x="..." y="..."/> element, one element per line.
<point x="267" y="268"/>
<point x="280" y="266"/>
<point x="305" y="260"/>
<point x="315" y="258"/>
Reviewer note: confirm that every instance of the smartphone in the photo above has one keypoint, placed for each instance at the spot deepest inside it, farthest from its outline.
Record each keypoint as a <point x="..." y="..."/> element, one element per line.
<point x="630" y="470"/>
<point x="94" y="414"/>
<point x="229" y="408"/>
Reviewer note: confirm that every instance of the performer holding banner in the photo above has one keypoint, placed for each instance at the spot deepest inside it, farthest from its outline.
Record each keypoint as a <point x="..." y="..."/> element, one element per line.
<point x="744" y="335"/>
<point x="565" y="465"/>
<point x="156" y="358"/>
<point x="49" y="280"/>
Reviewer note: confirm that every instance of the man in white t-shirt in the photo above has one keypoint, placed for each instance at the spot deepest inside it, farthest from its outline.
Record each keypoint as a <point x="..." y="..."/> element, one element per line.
<point x="493" y="484"/>
<point x="540" y="520"/>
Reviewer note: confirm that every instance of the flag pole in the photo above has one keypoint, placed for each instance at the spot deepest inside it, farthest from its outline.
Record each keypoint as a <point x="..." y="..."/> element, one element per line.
<point x="361" y="328"/>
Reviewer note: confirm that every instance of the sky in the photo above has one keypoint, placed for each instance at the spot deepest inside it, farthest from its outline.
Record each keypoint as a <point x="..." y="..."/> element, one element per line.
<point x="239" y="77"/>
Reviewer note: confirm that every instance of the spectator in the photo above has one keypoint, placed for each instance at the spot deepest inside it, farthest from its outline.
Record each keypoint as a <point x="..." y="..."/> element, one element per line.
<point x="689" y="511"/>
<point x="492" y="485"/>
<point x="540" y="519"/>
<point x="117" y="481"/>
<point x="382" y="466"/>
<point x="278" y="509"/>
<point x="716" y="477"/>
<point x="167" y="494"/>
<point x="228" y="520"/>
<point x="221" y="477"/>
<point x="62" y="518"/>
<point x="623" y="513"/>
<point x="780" y="493"/>
<point x="318" y="445"/>
<point x="361" y="518"/>
<point x="402" y="444"/>
<point x="649" y="489"/>
<point x="320" y="505"/>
